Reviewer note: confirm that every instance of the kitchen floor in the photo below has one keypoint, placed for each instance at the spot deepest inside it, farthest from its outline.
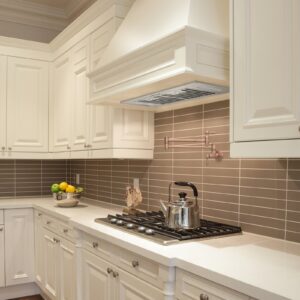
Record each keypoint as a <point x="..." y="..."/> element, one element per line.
<point x="37" y="297"/>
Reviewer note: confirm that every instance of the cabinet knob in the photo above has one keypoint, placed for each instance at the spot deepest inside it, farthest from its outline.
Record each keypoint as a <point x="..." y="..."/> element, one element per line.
<point x="115" y="274"/>
<point x="135" y="263"/>
<point x="55" y="240"/>
<point x="40" y="214"/>
<point x="95" y="245"/>
<point x="204" y="297"/>
<point x="66" y="230"/>
<point x="1" y="229"/>
<point x="9" y="148"/>
<point x="109" y="270"/>
<point x="68" y="147"/>
<point x="3" y="148"/>
<point x="48" y="222"/>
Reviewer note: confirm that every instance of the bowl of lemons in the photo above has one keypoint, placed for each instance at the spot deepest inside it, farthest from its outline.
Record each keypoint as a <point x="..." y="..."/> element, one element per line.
<point x="66" y="195"/>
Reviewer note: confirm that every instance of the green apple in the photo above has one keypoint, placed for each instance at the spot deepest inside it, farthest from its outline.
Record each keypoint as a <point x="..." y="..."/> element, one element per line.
<point x="55" y="188"/>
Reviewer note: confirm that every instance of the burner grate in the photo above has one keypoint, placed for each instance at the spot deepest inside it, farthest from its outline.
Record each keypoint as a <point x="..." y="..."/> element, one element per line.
<point x="155" y="221"/>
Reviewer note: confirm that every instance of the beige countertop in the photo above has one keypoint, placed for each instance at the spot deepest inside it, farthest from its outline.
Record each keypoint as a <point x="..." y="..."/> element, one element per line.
<point x="262" y="267"/>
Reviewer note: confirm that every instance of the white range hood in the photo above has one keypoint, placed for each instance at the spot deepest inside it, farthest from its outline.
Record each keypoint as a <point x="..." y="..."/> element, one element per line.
<point x="166" y="54"/>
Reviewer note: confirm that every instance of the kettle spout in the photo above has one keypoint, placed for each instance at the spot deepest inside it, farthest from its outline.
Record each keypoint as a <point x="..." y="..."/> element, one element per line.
<point x="163" y="208"/>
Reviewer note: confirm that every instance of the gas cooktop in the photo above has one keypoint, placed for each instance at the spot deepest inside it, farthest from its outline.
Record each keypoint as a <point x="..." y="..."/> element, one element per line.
<point x="151" y="225"/>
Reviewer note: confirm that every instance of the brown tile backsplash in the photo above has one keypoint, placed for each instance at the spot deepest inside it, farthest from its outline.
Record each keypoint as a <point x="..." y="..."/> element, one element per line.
<point x="25" y="178"/>
<point x="263" y="196"/>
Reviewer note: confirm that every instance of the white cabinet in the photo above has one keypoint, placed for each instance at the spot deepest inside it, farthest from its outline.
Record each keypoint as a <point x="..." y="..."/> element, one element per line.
<point x="190" y="287"/>
<point x="3" y="68"/>
<point x="2" y="266"/>
<point x="19" y="246"/>
<point x="61" y="105"/>
<point x="55" y="259"/>
<point x="96" y="280"/>
<point x="39" y="250"/>
<point x="104" y="280"/>
<point x="265" y="74"/>
<point x="27" y="105"/>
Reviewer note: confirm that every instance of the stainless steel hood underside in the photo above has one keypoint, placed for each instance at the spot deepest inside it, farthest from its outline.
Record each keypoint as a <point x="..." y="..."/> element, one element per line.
<point x="163" y="59"/>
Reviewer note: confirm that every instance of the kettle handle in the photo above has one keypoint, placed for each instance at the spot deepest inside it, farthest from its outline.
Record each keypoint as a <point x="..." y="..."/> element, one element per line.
<point x="184" y="183"/>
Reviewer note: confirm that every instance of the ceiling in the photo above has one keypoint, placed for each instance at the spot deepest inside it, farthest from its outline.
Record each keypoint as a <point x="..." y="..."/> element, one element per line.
<point x="38" y="20"/>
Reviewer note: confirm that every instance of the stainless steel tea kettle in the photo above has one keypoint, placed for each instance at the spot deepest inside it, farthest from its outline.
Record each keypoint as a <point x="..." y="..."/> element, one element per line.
<point x="182" y="213"/>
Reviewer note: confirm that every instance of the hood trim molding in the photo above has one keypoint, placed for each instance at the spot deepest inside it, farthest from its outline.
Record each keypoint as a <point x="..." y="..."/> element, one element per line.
<point x="187" y="55"/>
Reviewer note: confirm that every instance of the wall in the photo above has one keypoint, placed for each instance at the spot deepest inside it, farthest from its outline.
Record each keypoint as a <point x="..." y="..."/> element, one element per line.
<point x="263" y="196"/>
<point x="20" y="178"/>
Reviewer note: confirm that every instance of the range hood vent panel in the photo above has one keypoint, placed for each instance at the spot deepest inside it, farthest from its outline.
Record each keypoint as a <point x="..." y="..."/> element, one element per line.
<point x="188" y="91"/>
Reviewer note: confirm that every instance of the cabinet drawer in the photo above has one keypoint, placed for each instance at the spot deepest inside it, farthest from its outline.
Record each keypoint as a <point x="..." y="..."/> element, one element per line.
<point x="1" y="217"/>
<point x="99" y="247"/>
<point x="190" y="286"/>
<point x="58" y="227"/>
<point x="141" y="267"/>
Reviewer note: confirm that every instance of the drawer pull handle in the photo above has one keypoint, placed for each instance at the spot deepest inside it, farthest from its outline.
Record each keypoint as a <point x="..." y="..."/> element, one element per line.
<point x="66" y="230"/>
<point x="115" y="274"/>
<point x="55" y="240"/>
<point x="135" y="263"/>
<point x="95" y="245"/>
<point x="109" y="270"/>
<point x="204" y="297"/>
<point x="48" y="222"/>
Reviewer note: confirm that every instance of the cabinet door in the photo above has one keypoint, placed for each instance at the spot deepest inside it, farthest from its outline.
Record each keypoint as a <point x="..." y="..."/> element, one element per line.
<point x="129" y="287"/>
<point x="51" y="265"/>
<point x="100" y="126"/>
<point x="19" y="246"/>
<point x="39" y="251"/>
<point x="27" y="105"/>
<point x="80" y="124"/>
<point x="61" y="106"/>
<point x="266" y="69"/>
<point x="67" y="270"/>
<point x="96" y="282"/>
<point x="3" y="69"/>
<point x="2" y="269"/>
<point x="133" y="129"/>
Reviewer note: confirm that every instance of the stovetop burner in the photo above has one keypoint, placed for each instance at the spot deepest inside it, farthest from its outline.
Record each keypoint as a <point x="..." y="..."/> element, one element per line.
<point x="151" y="225"/>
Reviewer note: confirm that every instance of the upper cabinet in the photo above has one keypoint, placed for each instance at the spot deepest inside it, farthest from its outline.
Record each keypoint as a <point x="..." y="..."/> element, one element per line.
<point x="23" y="107"/>
<point x="265" y="76"/>
<point x="27" y="105"/>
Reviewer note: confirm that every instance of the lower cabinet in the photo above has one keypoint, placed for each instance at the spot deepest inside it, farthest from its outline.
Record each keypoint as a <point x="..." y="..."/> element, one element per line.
<point x="19" y="246"/>
<point x="104" y="280"/>
<point x="190" y="287"/>
<point x="2" y="269"/>
<point x="59" y="267"/>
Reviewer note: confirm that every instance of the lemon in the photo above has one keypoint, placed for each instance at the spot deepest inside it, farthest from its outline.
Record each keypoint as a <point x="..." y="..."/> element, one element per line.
<point x="63" y="186"/>
<point x="70" y="189"/>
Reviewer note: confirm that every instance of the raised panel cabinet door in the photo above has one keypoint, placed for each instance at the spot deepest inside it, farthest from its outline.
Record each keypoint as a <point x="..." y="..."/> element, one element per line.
<point x="100" y="135"/>
<point x="51" y="265"/>
<point x="129" y="287"/>
<point x="67" y="270"/>
<point x="266" y="69"/>
<point x="19" y="246"/>
<point x="39" y="251"/>
<point x="80" y="126"/>
<point x="2" y="268"/>
<point x="3" y="72"/>
<point x="61" y="109"/>
<point x="133" y="129"/>
<point x="96" y="280"/>
<point x="27" y="105"/>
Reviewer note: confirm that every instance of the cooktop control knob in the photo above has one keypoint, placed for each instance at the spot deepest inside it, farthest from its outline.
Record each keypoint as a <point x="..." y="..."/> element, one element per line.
<point x="113" y="221"/>
<point x="130" y="226"/>
<point x="141" y="229"/>
<point x="149" y="231"/>
<point x="120" y="223"/>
